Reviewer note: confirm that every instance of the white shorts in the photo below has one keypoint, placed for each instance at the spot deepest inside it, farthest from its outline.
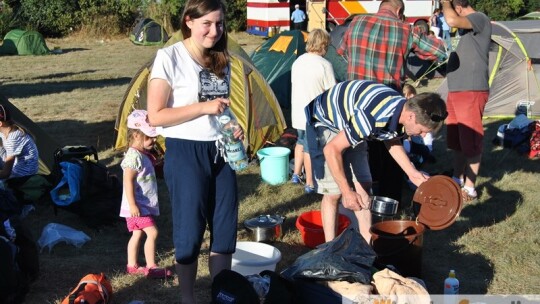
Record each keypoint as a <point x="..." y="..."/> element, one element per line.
<point x="355" y="165"/>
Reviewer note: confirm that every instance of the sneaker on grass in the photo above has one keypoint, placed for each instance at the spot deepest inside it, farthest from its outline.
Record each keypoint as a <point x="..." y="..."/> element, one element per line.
<point x="158" y="273"/>
<point x="468" y="197"/>
<point x="296" y="179"/>
<point x="137" y="270"/>
<point x="309" y="189"/>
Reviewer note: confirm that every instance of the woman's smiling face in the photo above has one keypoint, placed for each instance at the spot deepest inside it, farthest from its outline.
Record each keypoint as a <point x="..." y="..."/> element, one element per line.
<point x="207" y="30"/>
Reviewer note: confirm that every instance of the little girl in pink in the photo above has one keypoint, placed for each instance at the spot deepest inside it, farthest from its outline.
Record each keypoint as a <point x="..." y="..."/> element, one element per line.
<point x="140" y="196"/>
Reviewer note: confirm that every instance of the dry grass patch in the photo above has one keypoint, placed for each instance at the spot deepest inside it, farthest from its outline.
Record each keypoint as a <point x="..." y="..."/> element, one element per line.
<point x="494" y="245"/>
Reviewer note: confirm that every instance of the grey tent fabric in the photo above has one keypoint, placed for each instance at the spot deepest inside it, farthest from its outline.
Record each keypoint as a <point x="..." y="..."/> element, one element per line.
<point x="514" y="67"/>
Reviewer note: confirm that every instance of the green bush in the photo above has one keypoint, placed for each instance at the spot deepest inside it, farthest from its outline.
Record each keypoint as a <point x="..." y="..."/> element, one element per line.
<point x="236" y="15"/>
<point x="169" y="12"/>
<point x="51" y="17"/>
<point x="107" y="17"/>
<point x="6" y="17"/>
<point x="54" y="18"/>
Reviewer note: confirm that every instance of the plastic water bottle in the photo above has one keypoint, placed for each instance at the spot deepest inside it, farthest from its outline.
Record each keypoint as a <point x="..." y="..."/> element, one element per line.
<point x="234" y="148"/>
<point x="451" y="288"/>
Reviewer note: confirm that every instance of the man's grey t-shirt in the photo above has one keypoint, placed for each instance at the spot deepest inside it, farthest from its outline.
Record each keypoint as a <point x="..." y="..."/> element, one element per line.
<point x="468" y="66"/>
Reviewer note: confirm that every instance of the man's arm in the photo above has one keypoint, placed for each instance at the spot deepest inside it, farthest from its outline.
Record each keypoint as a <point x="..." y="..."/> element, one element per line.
<point x="333" y="154"/>
<point x="5" y="172"/>
<point x="395" y="148"/>
<point x="452" y="18"/>
<point x="427" y="48"/>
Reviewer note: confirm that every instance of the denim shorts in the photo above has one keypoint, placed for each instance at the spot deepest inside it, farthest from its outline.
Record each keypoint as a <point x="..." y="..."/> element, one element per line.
<point x="302" y="140"/>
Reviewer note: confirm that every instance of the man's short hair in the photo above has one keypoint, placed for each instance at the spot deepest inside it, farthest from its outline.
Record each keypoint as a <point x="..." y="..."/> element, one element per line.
<point x="462" y="3"/>
<point x="395" y="4"/>
<point x="429" y="109"/>
<point x="296" y="6"/>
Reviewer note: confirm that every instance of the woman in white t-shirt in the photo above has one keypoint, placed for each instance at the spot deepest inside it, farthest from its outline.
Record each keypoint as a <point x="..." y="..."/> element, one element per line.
<point x="311" y="75"/>
<point x="189" y="86"/>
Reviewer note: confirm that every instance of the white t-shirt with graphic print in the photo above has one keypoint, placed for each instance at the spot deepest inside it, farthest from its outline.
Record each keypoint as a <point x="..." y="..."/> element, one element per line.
<point x="190" y="84"/>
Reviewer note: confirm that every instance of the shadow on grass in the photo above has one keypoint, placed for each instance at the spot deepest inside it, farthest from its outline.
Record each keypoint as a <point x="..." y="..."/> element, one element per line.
<point x="71" y="50"/>
<point x="441" y="249"/>
<point x="26" y="90"/>
<point x="74" y="132"/>
<point x="62" y="75"/>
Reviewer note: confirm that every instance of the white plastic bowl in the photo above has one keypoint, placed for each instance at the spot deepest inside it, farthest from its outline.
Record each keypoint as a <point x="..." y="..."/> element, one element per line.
<point x="254" y="257"/>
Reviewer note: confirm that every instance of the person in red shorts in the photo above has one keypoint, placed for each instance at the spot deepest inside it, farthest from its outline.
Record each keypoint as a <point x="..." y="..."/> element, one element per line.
<point x="468" y="91"/>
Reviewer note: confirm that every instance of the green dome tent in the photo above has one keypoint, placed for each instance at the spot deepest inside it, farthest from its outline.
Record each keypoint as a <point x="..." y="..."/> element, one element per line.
<point x="148" y="32"/>
<point x="23" y="42"/>
<point x="274" y="59"/>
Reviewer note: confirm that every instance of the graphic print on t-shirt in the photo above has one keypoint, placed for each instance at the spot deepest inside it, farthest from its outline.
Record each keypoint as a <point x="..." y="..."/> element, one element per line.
<point x="211" y="86"/>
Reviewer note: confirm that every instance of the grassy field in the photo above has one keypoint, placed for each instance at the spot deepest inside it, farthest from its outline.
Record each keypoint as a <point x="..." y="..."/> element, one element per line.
<point x="494" y="245"/>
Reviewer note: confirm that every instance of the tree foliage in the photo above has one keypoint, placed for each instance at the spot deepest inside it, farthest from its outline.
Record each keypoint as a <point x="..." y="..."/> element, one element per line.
<point x="109" y="17"/>
<point x="502" y="9"/>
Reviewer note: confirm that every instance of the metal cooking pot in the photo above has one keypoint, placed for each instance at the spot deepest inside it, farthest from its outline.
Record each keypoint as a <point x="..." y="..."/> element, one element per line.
<point x="383" y="205"/>
<point x="264" y="228"/>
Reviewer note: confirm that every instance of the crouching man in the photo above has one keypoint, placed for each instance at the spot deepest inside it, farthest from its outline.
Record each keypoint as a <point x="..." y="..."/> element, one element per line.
<point x="341" y="120"/>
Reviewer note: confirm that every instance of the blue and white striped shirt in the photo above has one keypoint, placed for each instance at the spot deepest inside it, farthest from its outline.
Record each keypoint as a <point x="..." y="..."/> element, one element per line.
<point x="22" y="146"/>
<point x="364" y="109"/>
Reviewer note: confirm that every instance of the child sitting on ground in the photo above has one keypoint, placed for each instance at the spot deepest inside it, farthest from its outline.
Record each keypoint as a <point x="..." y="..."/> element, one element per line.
<point x="18" y="152"/>
<point x="418" y="148"/>
<point x="140" y="195"/>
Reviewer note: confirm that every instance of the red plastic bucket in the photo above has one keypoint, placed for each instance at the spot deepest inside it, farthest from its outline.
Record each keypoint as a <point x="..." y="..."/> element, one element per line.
<point x="310" y="226"/>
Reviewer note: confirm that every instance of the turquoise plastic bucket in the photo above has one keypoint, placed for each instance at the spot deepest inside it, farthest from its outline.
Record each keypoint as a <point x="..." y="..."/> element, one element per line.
<point x="274" y="162"/>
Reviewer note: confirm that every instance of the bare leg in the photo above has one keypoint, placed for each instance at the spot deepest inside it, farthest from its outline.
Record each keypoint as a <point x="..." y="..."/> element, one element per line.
<point x="329" y="214"/>
<point x="133" y="247"/>
<point x="298" y="159"/>
<point x="307" y="169"/>
<point x="217" y="262"/>
<point x="150" y="246"/>
<point x="186" y="279"/>
<point x="364" y="215"/>
<point x="364" y="223"/>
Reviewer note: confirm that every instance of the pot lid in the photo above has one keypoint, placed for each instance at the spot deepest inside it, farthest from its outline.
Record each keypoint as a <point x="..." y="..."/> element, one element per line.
<point x="440" y="200"/>
<point x="264" y="221"/>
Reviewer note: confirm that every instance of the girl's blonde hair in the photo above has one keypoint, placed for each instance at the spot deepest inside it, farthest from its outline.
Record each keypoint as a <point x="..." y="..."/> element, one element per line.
<point x="318" y="41"/>
<point x="408" y="90"/>
<point x="219" y="56"/>
<point x="131" y="136"/>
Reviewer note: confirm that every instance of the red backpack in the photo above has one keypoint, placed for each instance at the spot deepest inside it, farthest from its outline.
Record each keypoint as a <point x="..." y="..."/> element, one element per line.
<point x="535" y="140"/>
<point x="92" y="289"/>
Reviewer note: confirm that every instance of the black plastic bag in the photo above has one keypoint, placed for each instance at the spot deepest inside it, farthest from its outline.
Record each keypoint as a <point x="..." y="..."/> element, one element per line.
<point x="347" y="258"/>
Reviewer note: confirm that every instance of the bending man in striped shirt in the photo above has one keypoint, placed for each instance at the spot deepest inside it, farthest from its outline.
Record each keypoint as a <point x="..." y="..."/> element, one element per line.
<point x="377" y="47"/>
<point x="341" y="120"/>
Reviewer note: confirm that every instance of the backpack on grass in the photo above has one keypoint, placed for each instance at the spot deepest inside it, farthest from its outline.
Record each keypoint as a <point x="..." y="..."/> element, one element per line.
<point x="86" y="187"/>
<point x="19" y="260"/>
<point x="93" y="288"/>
